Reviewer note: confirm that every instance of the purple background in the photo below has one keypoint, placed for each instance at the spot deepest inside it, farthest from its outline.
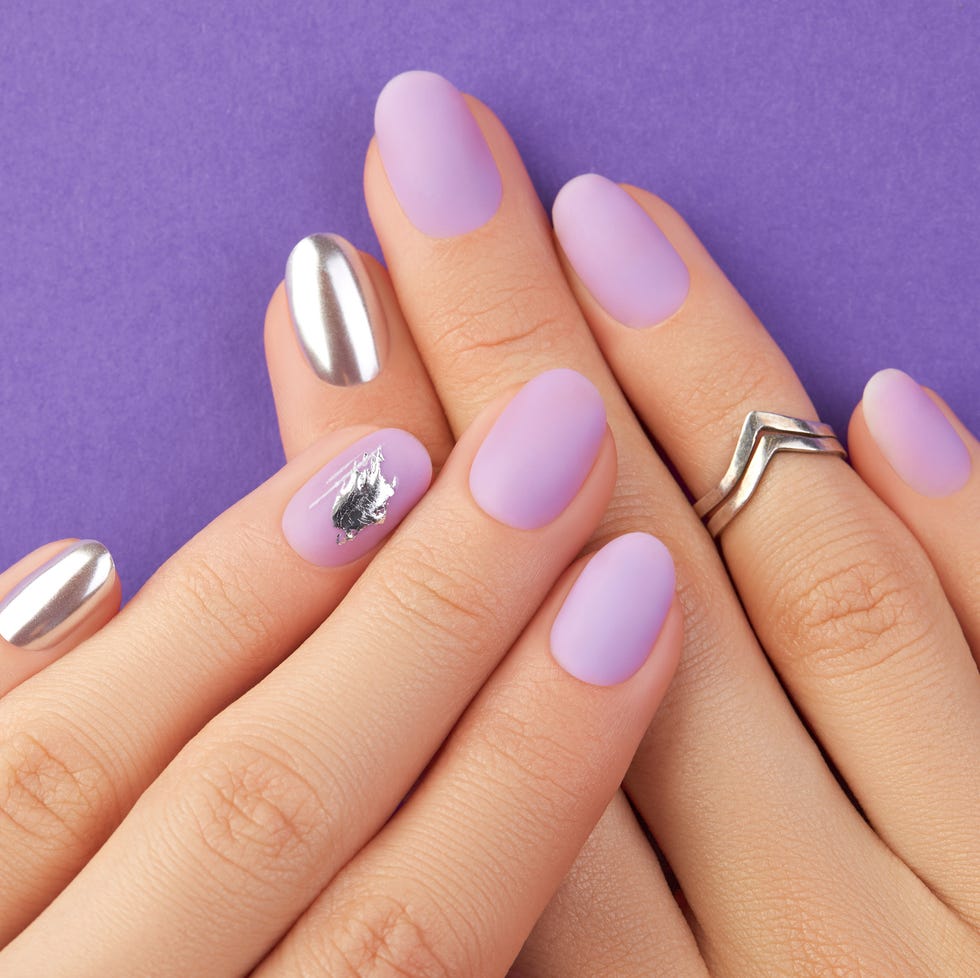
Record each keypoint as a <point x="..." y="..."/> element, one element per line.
<point x="158" y="161"/>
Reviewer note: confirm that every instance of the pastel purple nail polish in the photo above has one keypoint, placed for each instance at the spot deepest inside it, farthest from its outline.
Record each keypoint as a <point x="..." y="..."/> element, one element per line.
<point x="914" y="435"/>
<point x="436" y="158"/>
<point x="358" y="498"/>
<point x="535" y="458"/>
<point x="620" y="255"/>
<point x="614" y="612"/>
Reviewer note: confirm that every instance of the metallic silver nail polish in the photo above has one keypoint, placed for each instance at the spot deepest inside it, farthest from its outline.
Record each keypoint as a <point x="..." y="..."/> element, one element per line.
<point x="335" y="310"/>
<point x="52" y="601"/>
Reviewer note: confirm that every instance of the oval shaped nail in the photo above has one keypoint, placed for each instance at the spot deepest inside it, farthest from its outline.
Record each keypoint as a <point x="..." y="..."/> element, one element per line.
<point x="335" y="310"/>
<point x="539" y="452"/>
<point x="620" y="255"/>
<point x="612" y="616"/>
<point x="49" y="604"/>
<point x="915" y="437"/>
<point x="433" y="151"/>
<point x="357" y="498"/>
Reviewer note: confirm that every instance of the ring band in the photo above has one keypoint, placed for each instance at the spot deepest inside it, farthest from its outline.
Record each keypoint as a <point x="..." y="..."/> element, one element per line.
<point x="763" y="434"/>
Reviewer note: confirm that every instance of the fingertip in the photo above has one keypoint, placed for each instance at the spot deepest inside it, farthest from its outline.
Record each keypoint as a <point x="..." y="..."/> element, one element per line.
<point x="51" y="601"/>
<point x="914" y="435"/>
<point x="276" y="305"/>
<point x="611" y="622"/>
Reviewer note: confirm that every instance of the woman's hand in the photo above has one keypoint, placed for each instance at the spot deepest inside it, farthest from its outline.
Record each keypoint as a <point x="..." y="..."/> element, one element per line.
<point x="814" y="776"/>
<point x="269" y="841"/>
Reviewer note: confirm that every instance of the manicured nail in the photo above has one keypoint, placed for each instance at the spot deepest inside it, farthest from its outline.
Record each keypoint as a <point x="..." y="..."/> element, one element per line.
<point x="50" y="603"/>
<point x="436" y="158"/>
<point x="914" y="435"/>
<point x="620" y="255"/>
<point x="614" y="612"/>
<point x="535" y="458"/>
<point x="357" y="499"/>
<point x="335" y="311"/>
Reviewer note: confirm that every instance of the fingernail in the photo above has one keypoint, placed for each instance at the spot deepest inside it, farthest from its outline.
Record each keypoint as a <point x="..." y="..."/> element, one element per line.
<point x="614" y="612"/>
<point x="436" y="158"/>
<point x="335" y="310"/>
<point x="914" y="435"/>
<point x="50" y="603"/>
<point x="620" y="255"/>
<point x="358" y="498"/>
<point x="537" y="455"/>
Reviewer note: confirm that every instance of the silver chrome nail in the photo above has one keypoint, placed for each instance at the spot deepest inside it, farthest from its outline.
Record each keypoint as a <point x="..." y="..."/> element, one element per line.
<point x="52" y="601"/>
<point x="335" y="310"/>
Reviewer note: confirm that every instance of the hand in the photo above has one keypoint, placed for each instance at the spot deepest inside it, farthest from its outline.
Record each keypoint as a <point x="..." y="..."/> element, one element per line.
<point x="269" y="842"/>
<point x="819" y="822"/>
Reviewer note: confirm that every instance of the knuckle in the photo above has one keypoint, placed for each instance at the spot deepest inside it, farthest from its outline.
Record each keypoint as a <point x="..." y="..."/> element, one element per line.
<point x="630" y="509"/>
<point x="447" y="601"/>
<point x="815" y="955"/>
<point x="859" y="609"/>
<point x="249" y="809"/>
<point x="814" y="945"/>
<point x="382" y="937"/>
<point x="56" y="788"/>
<point x="511" y="320"/>
<point x="517" y="755"/>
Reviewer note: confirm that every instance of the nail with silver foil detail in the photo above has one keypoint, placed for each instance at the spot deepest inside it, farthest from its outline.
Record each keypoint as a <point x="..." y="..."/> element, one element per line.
<point x="335" y="310"/>
<point x="354" y="501"/>
<point x="49" y="604"/>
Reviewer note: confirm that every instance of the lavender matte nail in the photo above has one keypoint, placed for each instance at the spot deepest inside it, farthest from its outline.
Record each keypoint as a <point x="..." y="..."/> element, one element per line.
<point x="914" y="435"/>
<point x="358" y="498"/>
<point x="614" y="612"/>
<point x="617" y="251"/>
<point x="537" y="455"/>
<point x="435" y="156"/>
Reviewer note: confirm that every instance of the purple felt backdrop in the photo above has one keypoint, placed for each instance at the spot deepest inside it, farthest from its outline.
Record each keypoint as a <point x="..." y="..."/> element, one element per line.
<point x="158" y="160"/>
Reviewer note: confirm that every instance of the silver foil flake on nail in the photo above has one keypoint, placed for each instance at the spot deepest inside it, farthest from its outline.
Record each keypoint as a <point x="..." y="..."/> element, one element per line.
<point x="363" y="498"/>
<point x="335" y="310"/>
<point x="50" y="603"/>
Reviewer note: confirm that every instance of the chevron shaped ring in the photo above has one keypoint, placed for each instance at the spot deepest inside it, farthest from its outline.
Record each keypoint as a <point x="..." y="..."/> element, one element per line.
<point x="763" y="435"/>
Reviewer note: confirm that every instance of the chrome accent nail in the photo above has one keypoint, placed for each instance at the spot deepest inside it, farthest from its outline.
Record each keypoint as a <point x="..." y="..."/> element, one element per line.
<point x="335" y="310"/>
<point x="52" y="601"/>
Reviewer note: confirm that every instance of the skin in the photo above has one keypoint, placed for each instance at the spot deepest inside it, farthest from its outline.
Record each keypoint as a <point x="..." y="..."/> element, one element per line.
<point x="284" y="800"/>
<point x="864" y="604"/>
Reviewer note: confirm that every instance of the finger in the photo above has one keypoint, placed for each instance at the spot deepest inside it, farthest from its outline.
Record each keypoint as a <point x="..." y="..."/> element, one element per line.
<point x="840" y="593"/>
<point x="455" y="881"/>
<point x="286" y="785"/>
<point x="52" y="600"/>
<point x="315" y="392"/>
<point x="343" y="355"/>
<point x="911" y="449"/>
<point x="80" y="741"/>
<point x="613" y="915"/>
<point x="727" y="755"/>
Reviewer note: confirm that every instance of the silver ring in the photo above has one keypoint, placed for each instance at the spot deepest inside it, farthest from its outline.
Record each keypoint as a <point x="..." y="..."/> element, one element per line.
<point x="763" y="434"/>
